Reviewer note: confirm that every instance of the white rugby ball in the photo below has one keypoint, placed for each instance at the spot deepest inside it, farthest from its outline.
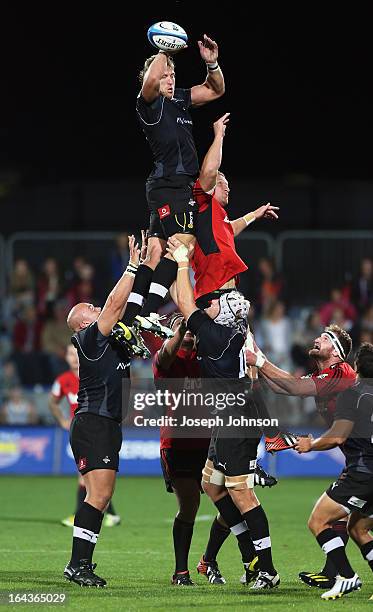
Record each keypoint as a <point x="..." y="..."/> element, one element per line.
<point x="167" y="36"/>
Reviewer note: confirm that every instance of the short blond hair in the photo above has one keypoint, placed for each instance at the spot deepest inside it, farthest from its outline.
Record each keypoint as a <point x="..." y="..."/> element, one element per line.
<point x="149" y="61"/>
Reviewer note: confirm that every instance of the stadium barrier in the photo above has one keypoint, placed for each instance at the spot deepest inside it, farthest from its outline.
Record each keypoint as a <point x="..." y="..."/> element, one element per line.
<point x="317" y="261"/>
<point x="46" y="451"/>
<point x="301" y="254"/>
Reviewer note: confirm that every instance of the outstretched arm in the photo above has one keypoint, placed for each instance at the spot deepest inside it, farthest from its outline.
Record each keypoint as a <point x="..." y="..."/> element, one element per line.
<point x="214" y="86"/>
<point x="289" y="383"/>
<point x="117" y="299"/>
<point x="335" y="436"/>
<point x="213" y="157"/>
<point x="151" y="86"/>
<point x="267" y="211"/>
<point x="184" y="290"/>
<point x="168" y="351"/>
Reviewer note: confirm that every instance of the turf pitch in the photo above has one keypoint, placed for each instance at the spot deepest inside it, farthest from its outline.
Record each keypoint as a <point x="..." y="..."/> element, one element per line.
<point x="136" y="557"/>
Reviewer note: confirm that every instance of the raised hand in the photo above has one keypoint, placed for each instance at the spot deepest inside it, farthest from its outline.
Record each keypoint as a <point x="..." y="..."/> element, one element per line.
<point x="208" y="50"/>
<point x="221" y="124"/>
<point x="267" y="211"/>
<point x="134" y="250"/>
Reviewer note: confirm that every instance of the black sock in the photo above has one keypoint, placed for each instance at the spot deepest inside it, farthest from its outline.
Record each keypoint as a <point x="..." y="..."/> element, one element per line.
<point x="182" y="533"/>
<point x="238" y="527"/>
<point x="262" y="410"/>
<point x="87" y="525"/>
<point x="218" y="535"/>
<point x="163" y="277"/>
<point x="257" y="523"/>
<point x="340" y="529"/>
<point x="367" y="552"/>
<point x="80" y="497"/>
<point x="110" y="508"/>
<point x="333" y="547"/>
<point x="138" y="294"/>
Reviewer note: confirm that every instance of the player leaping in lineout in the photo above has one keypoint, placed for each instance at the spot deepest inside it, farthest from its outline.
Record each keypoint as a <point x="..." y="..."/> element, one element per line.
<point x="163" y="112"/>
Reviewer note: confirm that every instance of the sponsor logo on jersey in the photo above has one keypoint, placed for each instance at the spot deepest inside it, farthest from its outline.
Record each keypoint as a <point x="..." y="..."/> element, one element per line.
<point x="183" y="121"/>
<point x="355" y="501"/>
<point x="122" y="366"/>
<point x="164" y="211"/>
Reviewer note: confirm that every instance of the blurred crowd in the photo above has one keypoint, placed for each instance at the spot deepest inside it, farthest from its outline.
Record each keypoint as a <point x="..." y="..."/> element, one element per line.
<point x="34" y="335"/>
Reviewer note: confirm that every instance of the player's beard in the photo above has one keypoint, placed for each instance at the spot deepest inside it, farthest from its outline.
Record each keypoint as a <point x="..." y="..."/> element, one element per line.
<point x="318" y="354"/>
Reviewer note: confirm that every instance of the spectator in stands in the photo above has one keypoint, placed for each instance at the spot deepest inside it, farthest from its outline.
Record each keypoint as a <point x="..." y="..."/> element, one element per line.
<point x="270" y="285"/>
<point x="120" y="256"/>
<point x="83" y="288"/>
<point x="22" y="282"/>
<point x="303" y="340"/>
<point x="276" y="333"/>
<point x="30" y="362"/>
<point x="362" y="287"/>
<point x="27" y="331"/>
<point x="337" y="302"/>
<point x="363" y="326"/>
<point x="55" y="337"/>
<point x="48" y="287"/>
<point x="21" y="292"/>
<point x="8" y="379"/>
<point x="18" y="410"/>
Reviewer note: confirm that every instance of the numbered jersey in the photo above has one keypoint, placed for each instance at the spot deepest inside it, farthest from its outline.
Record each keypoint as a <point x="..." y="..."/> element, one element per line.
<point x="356" y="405"/>
<point x="329" y="383"/>
<point x="67" y="385"/>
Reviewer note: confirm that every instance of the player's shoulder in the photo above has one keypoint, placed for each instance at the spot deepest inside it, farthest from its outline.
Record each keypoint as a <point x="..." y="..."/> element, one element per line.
<point x="62" y="378"/>
<point x="345" y="368"/>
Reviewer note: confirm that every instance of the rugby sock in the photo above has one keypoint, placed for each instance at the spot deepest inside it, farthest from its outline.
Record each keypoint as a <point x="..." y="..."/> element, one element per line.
<point x="163" y="277"/>
<point x="218" y="535"/>
<point x="110" y="508"/>
<point x="138" y="294"/>
<point x="340" y="529"/>
<point x="182" y="533"/>
<point x="238" y="527"/>
<point x="87" y="525"/>
<point x="334" y="548"/>
<point x="80" y="497"/>
<point x="257" y="523"/>
<point x="367" y="552"/>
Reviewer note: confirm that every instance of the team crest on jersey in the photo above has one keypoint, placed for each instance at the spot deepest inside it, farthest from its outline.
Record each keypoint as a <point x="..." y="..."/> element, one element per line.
<point x="164" y="211"/>
<point x="82" y="463"/>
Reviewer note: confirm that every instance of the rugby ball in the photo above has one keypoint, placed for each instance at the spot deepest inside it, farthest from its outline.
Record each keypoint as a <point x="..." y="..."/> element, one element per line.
<point x="167" y="36"/>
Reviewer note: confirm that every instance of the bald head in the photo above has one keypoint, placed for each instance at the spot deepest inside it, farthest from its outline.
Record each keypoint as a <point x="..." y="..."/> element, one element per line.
<point x="82" y="315"/>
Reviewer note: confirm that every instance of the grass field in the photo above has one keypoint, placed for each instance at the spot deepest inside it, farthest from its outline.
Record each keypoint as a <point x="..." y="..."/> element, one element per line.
<point x="136" y="558"/>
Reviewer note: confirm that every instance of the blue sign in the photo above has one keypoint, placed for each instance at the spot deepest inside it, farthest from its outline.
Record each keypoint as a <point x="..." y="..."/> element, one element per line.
<point x="46" y="450"/>
<point x="27" y="450"/>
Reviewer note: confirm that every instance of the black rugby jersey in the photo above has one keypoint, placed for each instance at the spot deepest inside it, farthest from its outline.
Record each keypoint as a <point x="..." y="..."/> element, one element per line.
<point x="219" y="348"/>
<point x="104" y="374"/>
<point x="167" y="125"/>
<point x="356" y="404"/>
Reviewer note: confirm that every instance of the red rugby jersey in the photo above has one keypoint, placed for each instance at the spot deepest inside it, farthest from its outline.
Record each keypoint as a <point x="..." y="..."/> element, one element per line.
<point x="67" y="385"/>
<point x="184" y="367"/>
<point x="215" y="260"/>
<point x="329" y="383"/>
